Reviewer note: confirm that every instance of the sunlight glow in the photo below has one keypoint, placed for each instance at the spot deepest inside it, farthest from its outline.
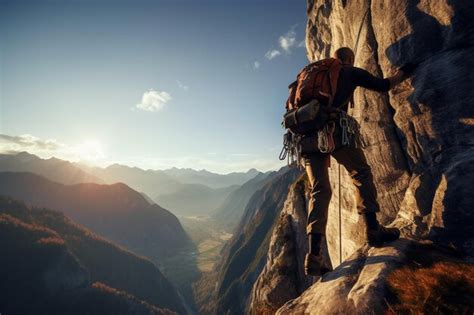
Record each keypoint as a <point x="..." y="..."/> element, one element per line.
<point x="90" y="151"/>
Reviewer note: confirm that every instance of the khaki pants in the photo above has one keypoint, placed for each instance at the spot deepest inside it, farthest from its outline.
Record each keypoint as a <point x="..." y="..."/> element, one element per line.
<point x="353" y="159"/>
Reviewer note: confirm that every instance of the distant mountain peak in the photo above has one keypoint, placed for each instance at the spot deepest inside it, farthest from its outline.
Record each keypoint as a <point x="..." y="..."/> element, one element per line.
<point x="25" y="156"/>
<point x="55" y="169"/>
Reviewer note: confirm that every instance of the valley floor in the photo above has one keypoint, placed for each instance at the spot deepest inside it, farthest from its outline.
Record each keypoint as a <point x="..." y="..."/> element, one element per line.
<point x="195" y="264"/>
<point x="209" y="239"/>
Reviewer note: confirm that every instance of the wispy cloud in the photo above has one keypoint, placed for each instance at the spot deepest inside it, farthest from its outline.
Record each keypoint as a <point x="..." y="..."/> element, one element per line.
<point x="153" y="101"/>
<point x="287" y="41"/>
<point x="23" y="142"/>
<point x="256" y="65"/>
<point x="182" y="86"/>
<point x="272" y="53"/>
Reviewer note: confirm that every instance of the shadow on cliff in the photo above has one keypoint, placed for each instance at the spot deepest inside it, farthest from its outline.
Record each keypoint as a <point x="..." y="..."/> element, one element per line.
<point x="442" y="94"/>
<point x="362" y="258"/>
<point x="353" y="266"/>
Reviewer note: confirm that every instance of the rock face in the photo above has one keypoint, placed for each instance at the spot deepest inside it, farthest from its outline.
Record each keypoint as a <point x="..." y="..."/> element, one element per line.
<point x="421" y="134"/>
<point x="420" y="148"/>
<point x="283" y="277"/>
<point x="354" y="287"/>
<point x="369" y="280"/>
<point x="244" y="256"/>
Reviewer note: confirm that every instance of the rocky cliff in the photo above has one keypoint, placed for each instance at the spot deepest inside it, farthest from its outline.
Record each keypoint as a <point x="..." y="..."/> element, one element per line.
<point x="420" y="135"/>
<point x="420" y="147"/>
<point x="283" y="277"/>
<point x="244" y="256"/>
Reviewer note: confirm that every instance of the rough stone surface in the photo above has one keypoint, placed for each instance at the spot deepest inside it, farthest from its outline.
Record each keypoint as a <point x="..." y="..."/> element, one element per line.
<point x="405" y="277"/>
<point x="283" y="276"/>
<point x="420" y="147"/>
<point x="245" y="255"/>
<point x="357" y="286"/>
<point x="420" y="135"/>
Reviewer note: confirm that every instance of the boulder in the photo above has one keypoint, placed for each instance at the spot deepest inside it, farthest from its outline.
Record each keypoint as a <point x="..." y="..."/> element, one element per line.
<point x="392" y="279"/>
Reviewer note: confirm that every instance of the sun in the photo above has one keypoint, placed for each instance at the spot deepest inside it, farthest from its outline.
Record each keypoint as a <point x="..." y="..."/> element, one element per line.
<point x="91" y="150"/>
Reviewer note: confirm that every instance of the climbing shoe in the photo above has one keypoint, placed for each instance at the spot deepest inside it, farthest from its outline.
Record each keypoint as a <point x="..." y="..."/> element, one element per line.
<point x="313" y="265"/>
<point x="381" y="235"/>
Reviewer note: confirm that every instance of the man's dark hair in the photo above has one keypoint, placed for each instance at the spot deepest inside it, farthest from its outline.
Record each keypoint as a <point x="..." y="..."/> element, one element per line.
<point x="345" y="54"/>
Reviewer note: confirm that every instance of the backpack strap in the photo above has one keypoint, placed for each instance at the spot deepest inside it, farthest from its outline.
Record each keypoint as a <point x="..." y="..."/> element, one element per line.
<point x="290" y="102"/>
<point x="333" y="72"/>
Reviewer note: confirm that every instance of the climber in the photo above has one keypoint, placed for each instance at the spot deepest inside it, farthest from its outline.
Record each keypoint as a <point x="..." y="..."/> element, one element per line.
<point x="352" y="158"/>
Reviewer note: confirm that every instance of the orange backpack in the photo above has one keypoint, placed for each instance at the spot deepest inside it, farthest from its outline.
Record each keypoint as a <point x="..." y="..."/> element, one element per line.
<point x="317" y="80"/>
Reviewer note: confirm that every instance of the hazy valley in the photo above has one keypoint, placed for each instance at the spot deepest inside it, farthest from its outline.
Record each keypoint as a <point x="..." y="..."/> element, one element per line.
<point x="186" y="242"/>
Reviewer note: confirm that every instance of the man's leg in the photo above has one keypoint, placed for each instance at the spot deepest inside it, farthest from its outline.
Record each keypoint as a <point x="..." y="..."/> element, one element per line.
<point x="353" y="159"/>
<point x="320" y="196"/>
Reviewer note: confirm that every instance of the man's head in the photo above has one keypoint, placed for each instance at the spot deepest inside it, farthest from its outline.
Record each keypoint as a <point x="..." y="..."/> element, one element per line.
<point x="345" y="55"/>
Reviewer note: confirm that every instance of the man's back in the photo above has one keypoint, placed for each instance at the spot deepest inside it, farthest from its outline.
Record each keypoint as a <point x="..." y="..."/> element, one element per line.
<point x="352" y="77"/>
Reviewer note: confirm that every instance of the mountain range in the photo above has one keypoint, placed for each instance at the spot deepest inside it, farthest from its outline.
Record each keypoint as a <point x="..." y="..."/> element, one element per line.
<point x="51" y="265"/>
<point x="195" y="199"/>
<point x="116" y="211"/>
<point x="213" y="180"/>
<point x="182" y="191"/>
<point x="55" y="169"/>
<point x="229" y="213"/>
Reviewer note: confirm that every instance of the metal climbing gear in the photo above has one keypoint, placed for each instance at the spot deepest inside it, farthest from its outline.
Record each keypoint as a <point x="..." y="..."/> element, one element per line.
<point x="291" y="150"/>
<point x="350" y="131"/>
<point x="326" y="138"/>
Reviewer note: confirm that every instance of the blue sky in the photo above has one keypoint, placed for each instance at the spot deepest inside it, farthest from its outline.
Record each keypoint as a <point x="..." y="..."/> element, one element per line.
<point x="154" y="84"/>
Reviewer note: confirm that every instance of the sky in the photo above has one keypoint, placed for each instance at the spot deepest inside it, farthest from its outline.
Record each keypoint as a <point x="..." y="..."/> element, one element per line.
<point x="153" y="84"/>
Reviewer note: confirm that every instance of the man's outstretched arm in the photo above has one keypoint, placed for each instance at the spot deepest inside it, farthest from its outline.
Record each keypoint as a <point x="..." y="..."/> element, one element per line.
<point x="396" y="79"/>
<point x="364" y="79"/>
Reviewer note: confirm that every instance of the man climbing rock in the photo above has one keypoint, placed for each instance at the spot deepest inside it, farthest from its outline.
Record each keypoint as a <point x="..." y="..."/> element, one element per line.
<point x="338" y="137"/>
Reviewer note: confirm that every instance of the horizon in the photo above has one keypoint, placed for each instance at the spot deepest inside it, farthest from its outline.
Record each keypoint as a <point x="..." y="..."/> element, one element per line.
<point x="84" y="163"/>
<point x="130" y="84"/>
